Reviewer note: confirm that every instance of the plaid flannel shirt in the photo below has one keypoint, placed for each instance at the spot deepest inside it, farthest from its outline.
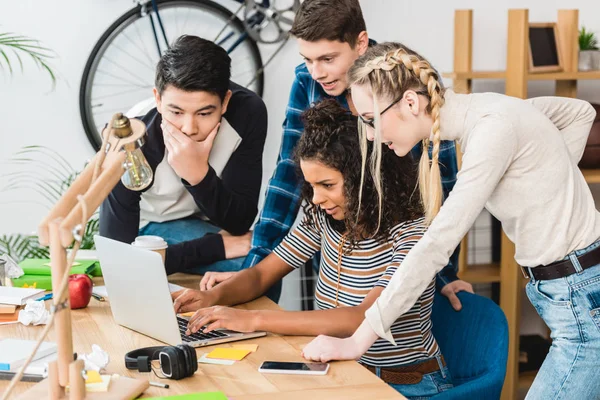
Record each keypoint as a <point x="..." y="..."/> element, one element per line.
<point x="282" y="200"/>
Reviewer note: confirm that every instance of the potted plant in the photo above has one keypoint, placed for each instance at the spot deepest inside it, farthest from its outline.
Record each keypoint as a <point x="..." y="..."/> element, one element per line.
<point x="42" y="175"/>
<point x="589" y="57"/>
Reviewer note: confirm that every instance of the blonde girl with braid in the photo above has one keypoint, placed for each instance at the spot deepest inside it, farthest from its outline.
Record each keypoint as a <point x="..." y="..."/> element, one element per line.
<point x="520" y="163"/>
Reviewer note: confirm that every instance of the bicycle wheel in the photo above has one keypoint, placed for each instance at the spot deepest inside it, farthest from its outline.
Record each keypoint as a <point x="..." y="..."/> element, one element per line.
<point x="120" y="70"/>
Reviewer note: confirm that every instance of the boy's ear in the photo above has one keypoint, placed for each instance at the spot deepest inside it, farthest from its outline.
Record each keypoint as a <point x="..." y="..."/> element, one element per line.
<point x="362" y="44"/>
<point x="226" y="102"/>
<point x="157" y="99"/>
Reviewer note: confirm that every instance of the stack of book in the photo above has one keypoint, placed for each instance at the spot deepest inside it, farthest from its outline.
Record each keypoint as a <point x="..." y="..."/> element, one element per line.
<point x="11" y="298"/>
<point x="14" y="352"/>
<point x="37" y="272"/>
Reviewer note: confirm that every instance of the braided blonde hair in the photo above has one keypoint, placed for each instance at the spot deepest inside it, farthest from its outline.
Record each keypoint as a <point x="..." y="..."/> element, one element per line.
<point x="389" y="70"/>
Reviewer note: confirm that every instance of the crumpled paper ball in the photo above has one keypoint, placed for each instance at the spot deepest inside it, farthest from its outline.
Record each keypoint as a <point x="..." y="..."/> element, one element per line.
<point x="34" y="313"/>
<point x="97" y="360"/>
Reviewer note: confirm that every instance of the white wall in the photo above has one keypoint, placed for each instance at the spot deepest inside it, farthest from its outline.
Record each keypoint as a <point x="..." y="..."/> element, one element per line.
<point x="33" y="114"/>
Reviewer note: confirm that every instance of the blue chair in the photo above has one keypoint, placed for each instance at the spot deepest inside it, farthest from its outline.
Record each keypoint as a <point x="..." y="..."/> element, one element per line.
<point x="474" y="342"/>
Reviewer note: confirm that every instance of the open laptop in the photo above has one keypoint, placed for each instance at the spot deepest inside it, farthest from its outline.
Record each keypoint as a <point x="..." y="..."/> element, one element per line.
<point x="140" y="299"/>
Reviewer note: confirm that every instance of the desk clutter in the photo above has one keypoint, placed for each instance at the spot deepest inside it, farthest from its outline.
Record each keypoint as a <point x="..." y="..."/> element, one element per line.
<point x="14" y="353"/>
<point x="12" y="298"/>
<point x="36" y="272"/>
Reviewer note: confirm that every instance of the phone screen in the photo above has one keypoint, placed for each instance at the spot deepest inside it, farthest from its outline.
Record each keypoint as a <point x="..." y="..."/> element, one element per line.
<point x="293" y="366"/>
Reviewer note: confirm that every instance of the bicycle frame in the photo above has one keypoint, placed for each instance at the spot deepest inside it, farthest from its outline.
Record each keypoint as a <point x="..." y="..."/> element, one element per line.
<point x="255" y="20"/>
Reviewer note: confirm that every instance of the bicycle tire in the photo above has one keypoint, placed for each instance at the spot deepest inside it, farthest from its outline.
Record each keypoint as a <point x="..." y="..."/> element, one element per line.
<point x="127" y="19"/>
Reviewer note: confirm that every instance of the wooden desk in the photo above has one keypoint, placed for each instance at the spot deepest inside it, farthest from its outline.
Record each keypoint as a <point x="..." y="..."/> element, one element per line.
<point x="95" y="325"/>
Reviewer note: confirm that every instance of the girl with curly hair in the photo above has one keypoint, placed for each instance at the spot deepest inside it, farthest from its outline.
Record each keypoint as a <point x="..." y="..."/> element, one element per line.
<point x="363" y="239"/>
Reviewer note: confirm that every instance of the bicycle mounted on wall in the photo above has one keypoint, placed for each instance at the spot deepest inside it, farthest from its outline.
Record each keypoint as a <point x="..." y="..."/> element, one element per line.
<point x="119" y="72"/>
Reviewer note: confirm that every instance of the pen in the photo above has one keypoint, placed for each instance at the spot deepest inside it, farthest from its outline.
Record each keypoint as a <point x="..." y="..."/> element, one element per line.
<point x="97" y="297"/>
<point x="45" y="297"/>
<point x="160" y="385"/>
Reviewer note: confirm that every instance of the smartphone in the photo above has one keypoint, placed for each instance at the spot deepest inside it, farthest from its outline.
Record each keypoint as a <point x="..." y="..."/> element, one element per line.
<point x="300" y="368"/>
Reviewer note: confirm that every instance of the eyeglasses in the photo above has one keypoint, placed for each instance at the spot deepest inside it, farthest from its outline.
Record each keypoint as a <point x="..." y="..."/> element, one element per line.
<point x="371" y="122"/>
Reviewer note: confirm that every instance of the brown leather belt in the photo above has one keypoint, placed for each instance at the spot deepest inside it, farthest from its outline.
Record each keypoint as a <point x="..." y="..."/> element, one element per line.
<point x="560" y="269"/>
<point x="408" y="374"/>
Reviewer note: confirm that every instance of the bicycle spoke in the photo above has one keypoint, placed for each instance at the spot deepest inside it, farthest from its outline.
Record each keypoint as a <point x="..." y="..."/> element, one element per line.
<point x="124" y="69"/>
<point x="143" y="43"/>
<point x="106" y="96"/>
<point x="136" y="45"/>
<point x="141" y="62"/>
<point x="120" y="78"/>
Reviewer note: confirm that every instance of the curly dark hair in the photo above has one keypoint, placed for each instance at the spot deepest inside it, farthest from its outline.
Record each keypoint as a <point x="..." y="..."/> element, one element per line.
<point x="331" y="138"/>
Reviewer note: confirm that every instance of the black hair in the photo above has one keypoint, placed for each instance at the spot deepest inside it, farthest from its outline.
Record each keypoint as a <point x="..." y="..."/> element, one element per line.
<point x="331" y="138"/>
<point x="193" y="64"/>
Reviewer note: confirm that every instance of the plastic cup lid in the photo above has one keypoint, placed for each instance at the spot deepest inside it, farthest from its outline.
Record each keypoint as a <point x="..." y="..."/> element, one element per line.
<point x="150" y="242"/>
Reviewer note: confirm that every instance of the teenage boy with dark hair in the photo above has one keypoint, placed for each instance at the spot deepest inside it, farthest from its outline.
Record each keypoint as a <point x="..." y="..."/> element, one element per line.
<point x="205" y="144"/>
<point x="331" y="35"/>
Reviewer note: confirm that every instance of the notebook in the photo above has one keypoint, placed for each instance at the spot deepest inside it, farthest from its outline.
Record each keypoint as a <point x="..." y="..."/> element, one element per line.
<point x="18" y="296"/>
<point x="9" y="318"/>
<point x="41" y="266"/>
<point x="14" y="352"/>
<point x="7" y="309"/>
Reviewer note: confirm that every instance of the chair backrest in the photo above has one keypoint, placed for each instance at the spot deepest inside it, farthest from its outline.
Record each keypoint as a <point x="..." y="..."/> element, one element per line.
<point x="474" y="341"/>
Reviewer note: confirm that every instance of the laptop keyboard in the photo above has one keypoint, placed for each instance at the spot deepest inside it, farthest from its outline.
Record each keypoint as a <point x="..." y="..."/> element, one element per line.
<point x="198" y="336"/>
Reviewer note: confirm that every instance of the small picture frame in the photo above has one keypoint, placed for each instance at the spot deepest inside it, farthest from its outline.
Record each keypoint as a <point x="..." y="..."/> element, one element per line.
<point x="544" y="48"/>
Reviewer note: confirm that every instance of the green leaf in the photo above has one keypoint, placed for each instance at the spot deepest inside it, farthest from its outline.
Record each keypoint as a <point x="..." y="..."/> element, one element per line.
<point x="587" y="40"/>
<point x="24" y="45"/>
<point x="48" y="174"/>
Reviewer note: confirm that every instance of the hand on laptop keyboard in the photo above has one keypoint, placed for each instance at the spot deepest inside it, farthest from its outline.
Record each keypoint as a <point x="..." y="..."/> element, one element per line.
<point x="224" y="318"/>
<point x="191" y="300"/>
<point x="199" y="336"/>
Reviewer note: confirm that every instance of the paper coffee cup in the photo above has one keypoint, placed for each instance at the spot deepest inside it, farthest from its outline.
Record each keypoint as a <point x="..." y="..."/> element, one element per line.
<point x="152" y="243"/>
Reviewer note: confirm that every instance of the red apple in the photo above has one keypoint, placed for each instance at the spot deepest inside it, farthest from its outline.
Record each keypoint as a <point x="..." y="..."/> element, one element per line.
<point x="80" y="290"/>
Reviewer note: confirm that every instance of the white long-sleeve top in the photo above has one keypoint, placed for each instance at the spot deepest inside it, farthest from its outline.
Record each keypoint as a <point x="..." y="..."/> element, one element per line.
<point x="520" y="163"/>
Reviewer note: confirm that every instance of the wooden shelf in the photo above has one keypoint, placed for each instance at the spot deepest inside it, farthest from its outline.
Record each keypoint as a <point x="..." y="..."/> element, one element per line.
<point x="481" y="273"/>
<point x="546" y="76"/>
<point x="591" y="175"/>
<point x="564" y="76"/>
<point x="526" y="379"/>
<point x="475" y="75"/>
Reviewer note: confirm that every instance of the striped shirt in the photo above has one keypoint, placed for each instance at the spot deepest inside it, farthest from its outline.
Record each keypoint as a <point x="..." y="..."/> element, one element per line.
<point x="369" y="264"/>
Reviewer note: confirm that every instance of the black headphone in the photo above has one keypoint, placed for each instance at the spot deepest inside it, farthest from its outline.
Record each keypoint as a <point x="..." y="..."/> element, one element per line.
<point x="176" y="362"/>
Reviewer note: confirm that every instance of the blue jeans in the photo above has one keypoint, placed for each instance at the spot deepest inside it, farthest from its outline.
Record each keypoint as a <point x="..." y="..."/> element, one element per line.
<point x="431" y="384"/>
<point x="182" y="230"/>
<point x="570" y="307"/>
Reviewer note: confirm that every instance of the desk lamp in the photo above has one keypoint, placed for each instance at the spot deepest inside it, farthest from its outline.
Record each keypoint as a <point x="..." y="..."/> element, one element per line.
<point x="120" y="157"/>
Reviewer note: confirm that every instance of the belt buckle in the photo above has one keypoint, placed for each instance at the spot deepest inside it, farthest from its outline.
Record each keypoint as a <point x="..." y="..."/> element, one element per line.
<point x="525" y="272"/>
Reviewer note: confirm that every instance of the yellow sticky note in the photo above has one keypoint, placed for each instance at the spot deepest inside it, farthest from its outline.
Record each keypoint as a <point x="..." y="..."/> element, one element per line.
<point x="228" y="354"/>
<point x="250" y="347"/>
<point x="93" y="377"/>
